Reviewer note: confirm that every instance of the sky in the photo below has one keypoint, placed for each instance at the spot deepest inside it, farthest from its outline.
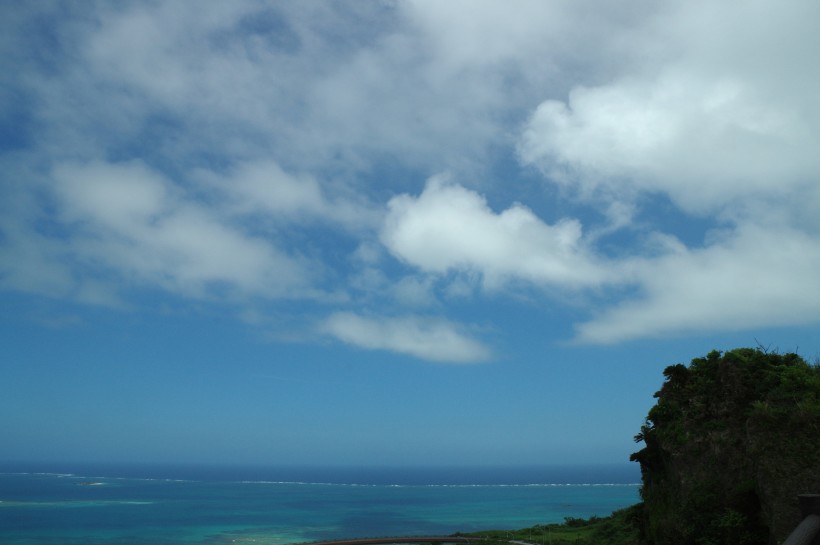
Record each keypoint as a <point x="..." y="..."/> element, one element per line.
<point x="411" y="232"/>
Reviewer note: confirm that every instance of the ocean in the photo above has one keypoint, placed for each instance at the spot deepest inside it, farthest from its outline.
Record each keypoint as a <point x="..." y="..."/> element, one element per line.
<point x="153" y="505"/>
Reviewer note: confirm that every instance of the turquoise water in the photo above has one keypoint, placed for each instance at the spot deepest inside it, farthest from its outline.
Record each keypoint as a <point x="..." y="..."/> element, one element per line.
<point x="153" y="506"/>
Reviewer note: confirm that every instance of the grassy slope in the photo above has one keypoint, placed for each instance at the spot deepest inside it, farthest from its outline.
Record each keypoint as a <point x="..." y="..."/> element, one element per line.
<point x="617" y="529"/>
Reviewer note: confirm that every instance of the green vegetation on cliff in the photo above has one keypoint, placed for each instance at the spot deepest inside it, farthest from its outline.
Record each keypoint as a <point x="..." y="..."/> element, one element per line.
<point x="620" y="528"/>
<point x="730" y="443"/>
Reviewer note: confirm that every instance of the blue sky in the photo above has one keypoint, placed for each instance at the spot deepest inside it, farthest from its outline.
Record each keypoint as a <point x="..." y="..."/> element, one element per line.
<point x="406" y="232"/>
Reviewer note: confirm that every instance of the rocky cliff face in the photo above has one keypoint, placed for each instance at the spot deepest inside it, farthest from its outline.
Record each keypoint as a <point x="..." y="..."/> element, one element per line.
<point x="730" y="443"/>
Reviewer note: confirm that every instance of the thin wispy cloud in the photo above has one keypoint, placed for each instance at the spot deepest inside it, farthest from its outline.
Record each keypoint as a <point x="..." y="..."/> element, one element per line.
<point x="429" y="339"/>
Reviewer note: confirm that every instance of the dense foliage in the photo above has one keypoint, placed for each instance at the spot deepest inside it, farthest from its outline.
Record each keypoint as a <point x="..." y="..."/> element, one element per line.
<point x="730" y="443"/>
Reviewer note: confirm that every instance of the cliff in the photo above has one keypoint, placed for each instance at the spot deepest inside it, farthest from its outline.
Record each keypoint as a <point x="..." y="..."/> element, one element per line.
<point x="731" y="441"/>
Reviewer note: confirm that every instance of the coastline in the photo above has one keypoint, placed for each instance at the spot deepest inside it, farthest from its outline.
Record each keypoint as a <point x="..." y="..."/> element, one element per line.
<point x="159" y="510"/>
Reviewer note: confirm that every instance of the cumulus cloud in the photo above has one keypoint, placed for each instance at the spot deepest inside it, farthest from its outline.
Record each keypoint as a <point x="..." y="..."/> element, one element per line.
<point x="704" y="142"/>
<point x="433" y="339"/>
<point x="129" y="221"/>
<point x="726" y="116"/>
<point x="450" y="228"/>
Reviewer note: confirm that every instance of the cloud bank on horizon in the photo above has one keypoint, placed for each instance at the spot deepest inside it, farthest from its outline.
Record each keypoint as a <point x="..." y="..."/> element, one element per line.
<point x="371" y="169"/>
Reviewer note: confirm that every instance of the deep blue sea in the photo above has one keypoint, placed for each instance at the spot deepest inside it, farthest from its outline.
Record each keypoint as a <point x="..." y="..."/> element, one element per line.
<point x="153" y="505"/>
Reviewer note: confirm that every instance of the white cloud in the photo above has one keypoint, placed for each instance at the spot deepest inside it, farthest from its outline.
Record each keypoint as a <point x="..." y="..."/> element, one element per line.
<point x="724" y="116"/>
<point x="120" y="198"/>
<point x="128" y="220"/>
<point x="264" y="189"/>
<point x="413" y="291"/>
<point x="542" y="39"/>
<point x="757" y="276"/>
<point x="174" y="57"/>
<point x="265" y="186"/>
<point x="354" y="81"/>
<point x="704" y="142"/>
<point x="431" y="339"/>
<point x="39" y="261"/>
<point x="450" y="228"/>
